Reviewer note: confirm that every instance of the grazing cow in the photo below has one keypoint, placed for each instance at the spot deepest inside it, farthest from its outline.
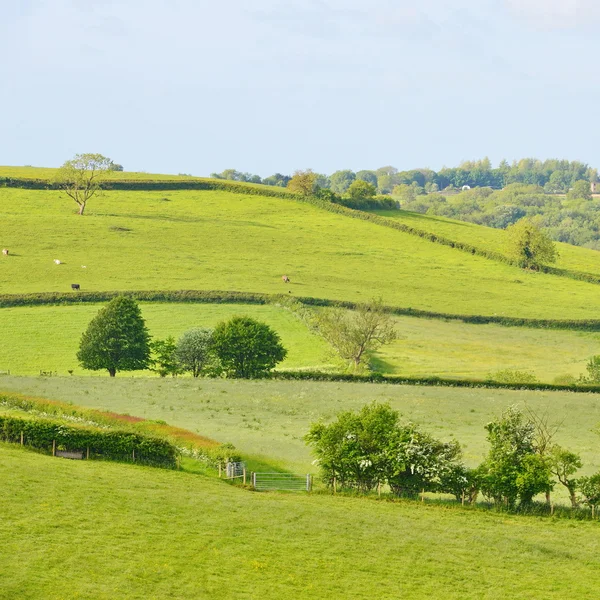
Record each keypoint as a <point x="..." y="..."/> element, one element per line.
<point x="56" y="261"/>
<point x="75" y="286"/>
<point x="5" y="251"/>
<point x="285" y="279"/>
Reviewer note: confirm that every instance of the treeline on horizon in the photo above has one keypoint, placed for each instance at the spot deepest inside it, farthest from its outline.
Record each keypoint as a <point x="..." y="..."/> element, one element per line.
<point x="555" y="176"/>
<point x="557" y="194"/>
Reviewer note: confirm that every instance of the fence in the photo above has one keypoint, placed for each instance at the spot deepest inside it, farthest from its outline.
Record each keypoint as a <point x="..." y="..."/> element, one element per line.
<point x="282" y="481"/>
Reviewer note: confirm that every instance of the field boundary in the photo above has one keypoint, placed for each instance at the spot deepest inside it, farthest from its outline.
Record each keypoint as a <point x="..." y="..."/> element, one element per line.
<point x="429" y="381"/>
<point x="236" y="297"/>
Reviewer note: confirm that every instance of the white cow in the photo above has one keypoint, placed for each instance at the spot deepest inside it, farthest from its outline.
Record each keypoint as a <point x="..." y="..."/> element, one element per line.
<point x="56" y="261"/>
<point x="5" y="251"/>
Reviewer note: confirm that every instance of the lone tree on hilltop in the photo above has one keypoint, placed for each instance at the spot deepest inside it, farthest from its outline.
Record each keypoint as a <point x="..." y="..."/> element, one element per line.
<point x="195" y="351"/>
<point x="247" y="348"/>
<point x="116" y="339"/>
<point x="303" y="182"/>
<point x="360" y="190"/>
<point x="356" y="333"/>
<point x="530" y="246"/>
<point x="81" y="177"/>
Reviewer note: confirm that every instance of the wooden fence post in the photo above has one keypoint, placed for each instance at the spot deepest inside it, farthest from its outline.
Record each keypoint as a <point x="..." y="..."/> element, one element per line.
<point x="423" y="495"/>
<point x="462" y="500"/>
<point x="53" y="447"/>
<point x="552" y="509"/>
<point x="254" y="479"/>
<point x="21" y="438"/>
<point x="379" y="489"/>
<point x="334" y="486"/>
<point x="219" y="470"/>
<point x="87" y="454"/>
<point x="133" y="454"/>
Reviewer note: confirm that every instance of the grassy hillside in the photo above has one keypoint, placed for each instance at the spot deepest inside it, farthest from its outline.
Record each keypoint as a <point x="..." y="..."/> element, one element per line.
<point x="50" y="173"/>
<point x="141" y="533"/>
<point x="46" y="338"/>
<point x="573" y="258"/>
<point x="269" y="418"/>
<point x="220" y="240"/>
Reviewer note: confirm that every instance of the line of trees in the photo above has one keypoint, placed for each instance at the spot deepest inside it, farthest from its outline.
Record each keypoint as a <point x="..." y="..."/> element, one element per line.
<point x="371" y="447"/>
<point x="117" y="339"/>
<point x="555" y="176"/>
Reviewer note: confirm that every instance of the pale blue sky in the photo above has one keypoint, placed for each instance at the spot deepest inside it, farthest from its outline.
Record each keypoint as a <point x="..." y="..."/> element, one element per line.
<point x="271" y="85"/>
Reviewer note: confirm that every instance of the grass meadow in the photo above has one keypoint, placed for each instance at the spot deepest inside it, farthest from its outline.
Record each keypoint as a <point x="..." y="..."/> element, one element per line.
<point x="220" y="240"/>
<point x="46" y="338"/>
<point x="268" y="419"/>
<point x="96" y="530"/>
<point x="570" y="257"/>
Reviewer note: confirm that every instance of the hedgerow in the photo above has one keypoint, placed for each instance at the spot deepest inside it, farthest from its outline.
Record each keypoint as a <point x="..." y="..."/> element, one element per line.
<point x="108" y="444"/>
<point x="428" y="381"/>
<point x="232" y="297"/>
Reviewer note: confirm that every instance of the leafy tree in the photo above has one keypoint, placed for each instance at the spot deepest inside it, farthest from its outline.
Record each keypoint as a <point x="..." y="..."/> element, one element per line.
<point x="247" y="348"/>
<point x="164" y="360"/>
<point x="368" y="176"/>
<point x="194" y="351"/>
<point x="513" y="470"/>
<point x="529" y="245"/>
<point x="563" y="464"/>
<point x="277" y="179"/>
<point x="356" y="449"/>
<point x="593" y="369"/>
<point x="81" y="177"/>
<point x="361" y="190"/>
<point x="115" y="167"/>
<point x="116" y="339"/>
<point x="581" y="190"/>
<point x="340" y="181"/>
<point x="462" y="482"/>
<point x="355" y="333"/>
<point x="303" y="182"/>
<point x="590" y="490"/>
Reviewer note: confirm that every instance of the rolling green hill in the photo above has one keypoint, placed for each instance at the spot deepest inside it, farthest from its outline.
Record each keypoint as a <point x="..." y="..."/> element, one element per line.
<point x="222" y="240"/>
<point x="96" y="530"/>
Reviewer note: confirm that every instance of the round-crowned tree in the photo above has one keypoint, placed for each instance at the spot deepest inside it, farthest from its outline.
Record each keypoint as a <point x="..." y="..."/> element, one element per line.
<point x="195" y="351"/>
<point x="247" y="348"/>
<point x="116" y="339"/>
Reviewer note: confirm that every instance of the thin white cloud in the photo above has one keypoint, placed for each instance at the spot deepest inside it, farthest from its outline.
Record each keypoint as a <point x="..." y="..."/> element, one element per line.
<point x="557" y="14"/>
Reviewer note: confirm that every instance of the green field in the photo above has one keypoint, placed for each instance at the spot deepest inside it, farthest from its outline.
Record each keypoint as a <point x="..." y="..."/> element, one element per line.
<point x="50" y="173"/>
<point x="46" y="338"/>
<point x="220" y="240"/>
<point x="267" y="419"/>
<point x="95" y="530"/>
<point x="570" y="257"/>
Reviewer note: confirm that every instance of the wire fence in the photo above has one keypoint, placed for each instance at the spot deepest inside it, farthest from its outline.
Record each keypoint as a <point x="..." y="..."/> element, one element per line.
<point x="290" y="482"/>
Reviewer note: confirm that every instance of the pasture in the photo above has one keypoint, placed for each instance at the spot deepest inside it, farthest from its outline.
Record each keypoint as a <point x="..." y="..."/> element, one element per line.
<point x="268" y="419"/>
<point x="220" y="240"/>
<point x="46" y="338"/>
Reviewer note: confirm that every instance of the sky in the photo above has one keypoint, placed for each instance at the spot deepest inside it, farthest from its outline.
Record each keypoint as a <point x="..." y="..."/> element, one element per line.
<point x="265" y="86"/>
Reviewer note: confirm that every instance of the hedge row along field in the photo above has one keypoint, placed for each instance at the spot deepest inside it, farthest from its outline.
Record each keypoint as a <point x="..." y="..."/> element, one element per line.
<point x="345" y="208"/>
<point x="234" y="297"/>
<point x="128" y="433"/>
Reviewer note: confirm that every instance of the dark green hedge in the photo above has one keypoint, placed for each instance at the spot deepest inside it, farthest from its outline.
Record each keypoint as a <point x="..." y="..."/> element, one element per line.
<point x="428" y="381"/>
<point x="224" y="297"/>
<point x="106" y="444"/>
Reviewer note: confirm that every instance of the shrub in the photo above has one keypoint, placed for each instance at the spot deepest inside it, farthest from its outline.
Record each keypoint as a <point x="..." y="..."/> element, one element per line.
<point x="194" y="351"/>
<point x="513" y="376"/>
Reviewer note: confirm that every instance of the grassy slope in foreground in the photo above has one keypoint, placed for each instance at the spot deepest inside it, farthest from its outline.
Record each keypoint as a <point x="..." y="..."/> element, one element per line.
<point x="145" y="533"/>
<point x="219" y="240"/>
<point x="46" y="338"/>
<point x="570" y="257"/>
<point x="269" y="418"/>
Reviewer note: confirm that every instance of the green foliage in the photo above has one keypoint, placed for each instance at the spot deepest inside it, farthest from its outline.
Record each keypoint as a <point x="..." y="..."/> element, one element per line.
<point x="355" y="334"/>
<point x="593" y="369"/>
<point x="528" y="245"/>
<point x="360" y="450"/>
<point x="563" y="465"/>
<point x="361" y="190"/>
<point x="247" y="348"/>
<point x="116" y="339"/>
<point x="590" y="490"/>
<point x="194" y="352"/>
<point x="512" y="376"/>
<point x="109" y="444"/>
<point x="340" y="181"/>
<point x="303" y="182"/>
<point x="81" y="177"/>
<point x="581" y="190"/>
<point x="512" y="470"/>
<point x="164" y="360"/>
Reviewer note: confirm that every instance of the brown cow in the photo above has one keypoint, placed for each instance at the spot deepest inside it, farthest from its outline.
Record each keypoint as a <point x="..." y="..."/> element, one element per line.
<point x="285" y="279"/>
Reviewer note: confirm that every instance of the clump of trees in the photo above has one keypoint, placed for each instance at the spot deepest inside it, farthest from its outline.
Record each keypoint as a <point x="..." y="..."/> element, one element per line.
<point x="117" y="339"/>
<point x="372" y="447"/>
<point x="530" y="246"/>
